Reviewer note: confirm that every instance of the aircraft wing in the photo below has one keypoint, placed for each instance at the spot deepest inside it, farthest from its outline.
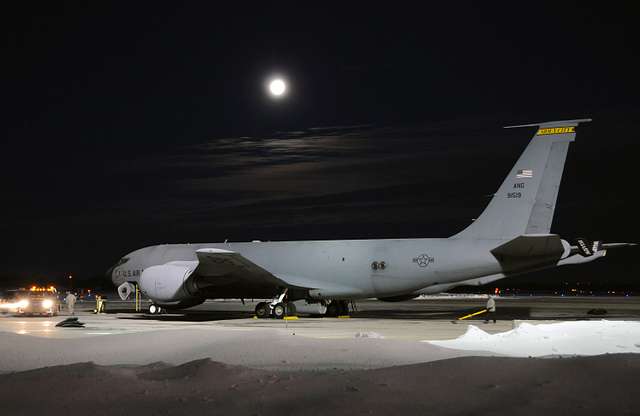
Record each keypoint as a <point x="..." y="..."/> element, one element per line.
<point x="218" y="264"/>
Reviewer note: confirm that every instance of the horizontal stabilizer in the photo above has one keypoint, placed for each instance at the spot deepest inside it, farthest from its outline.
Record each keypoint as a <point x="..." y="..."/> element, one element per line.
<point x="531" y="245"/>
<point x="587" y="248"/>
<point x="617" y="245"/>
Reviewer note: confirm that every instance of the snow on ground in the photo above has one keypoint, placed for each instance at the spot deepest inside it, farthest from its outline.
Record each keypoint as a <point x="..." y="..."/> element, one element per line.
<point x="563" y="338"/>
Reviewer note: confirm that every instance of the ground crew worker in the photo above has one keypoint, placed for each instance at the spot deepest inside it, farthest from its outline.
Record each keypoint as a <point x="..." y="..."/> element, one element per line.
<point x="491" y="310"/>
<point x="71" y="302"/>
<point x="99" y="304"/>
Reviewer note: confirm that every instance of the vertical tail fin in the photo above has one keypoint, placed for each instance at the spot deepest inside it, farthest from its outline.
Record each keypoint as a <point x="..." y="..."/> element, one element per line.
<point x="525" y="202"/>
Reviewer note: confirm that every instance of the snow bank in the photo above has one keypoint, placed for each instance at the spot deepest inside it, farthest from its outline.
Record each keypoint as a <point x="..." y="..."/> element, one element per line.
<point x="563" y="338"/>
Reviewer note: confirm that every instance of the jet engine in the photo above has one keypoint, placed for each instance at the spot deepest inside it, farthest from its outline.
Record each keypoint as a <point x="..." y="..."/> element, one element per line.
<point x="168" y="282"/>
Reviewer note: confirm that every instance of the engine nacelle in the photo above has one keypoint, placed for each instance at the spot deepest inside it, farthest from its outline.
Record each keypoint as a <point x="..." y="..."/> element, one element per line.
<point x="167" y="282"/>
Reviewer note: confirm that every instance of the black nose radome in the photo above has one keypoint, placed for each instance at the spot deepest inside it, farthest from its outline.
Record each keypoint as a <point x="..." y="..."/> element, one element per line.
<point x="109" y="273"/>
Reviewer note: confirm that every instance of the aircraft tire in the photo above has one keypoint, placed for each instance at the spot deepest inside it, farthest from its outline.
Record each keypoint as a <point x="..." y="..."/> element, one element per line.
<point x="332" y="309"/>
<point x="279" y="311"/>
<point x="291" y="309"/>
<point x="343" y="308"/>
<point x="262" y="310"/>
<point x="337" y="308"/>
<point x="154" y="309"/>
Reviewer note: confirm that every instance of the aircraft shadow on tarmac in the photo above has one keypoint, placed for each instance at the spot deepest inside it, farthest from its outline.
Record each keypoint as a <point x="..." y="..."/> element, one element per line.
<point x="438" y="314"/>
<point x="505" y="313"/>
<point x="402" y="314"/>
<point x="190" y="316"/>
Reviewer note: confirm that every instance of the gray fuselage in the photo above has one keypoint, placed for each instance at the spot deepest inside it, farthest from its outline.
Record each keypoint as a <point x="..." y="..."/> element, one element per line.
<point x="342" y="268"/>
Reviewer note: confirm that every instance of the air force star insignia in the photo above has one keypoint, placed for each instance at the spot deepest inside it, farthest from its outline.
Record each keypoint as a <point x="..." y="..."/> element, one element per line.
<point x="423" y="260"/>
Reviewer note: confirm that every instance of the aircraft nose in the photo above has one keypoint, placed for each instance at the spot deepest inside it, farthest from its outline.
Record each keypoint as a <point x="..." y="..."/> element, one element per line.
<point x="109" y="274"/>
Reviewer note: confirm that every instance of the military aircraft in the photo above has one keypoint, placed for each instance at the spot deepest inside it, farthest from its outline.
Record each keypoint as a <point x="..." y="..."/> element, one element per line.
<point x="511" y="236"/>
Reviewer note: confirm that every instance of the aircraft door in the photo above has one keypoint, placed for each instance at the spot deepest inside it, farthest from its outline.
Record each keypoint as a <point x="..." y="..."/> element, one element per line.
<point x="380" y="268"/>
<point x="390" y="269"/>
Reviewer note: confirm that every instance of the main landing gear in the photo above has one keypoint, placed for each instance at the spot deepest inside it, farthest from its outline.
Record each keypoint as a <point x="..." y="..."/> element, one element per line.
<point x="337" y="308"/>
<point x="277" y="308"/>
<point x="279" y="311"/>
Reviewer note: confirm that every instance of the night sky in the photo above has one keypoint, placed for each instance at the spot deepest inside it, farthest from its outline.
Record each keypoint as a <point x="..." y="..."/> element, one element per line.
<point x="132" y="124"/>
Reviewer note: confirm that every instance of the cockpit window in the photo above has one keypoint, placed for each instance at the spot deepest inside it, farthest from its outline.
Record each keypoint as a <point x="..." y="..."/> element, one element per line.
<point x="122" y="261"/>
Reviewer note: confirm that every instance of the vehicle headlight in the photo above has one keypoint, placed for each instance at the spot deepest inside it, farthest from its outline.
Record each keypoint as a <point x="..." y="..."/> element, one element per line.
<point x="23" y="303"/>
<point x="47" y="303"/>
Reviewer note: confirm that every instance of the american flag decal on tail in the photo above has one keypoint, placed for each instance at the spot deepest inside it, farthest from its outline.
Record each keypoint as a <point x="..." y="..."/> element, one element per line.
<point x="524" y="173"/>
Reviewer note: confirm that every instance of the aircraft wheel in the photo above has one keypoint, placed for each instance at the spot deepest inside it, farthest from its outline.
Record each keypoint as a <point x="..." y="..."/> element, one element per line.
<point x="291" y="309"/>
<point x="332" y="310"/>
<point x="337" y="308"/>
<point x="343" y="308"/>
<point x="154" y="309"/>
<point x="279" y="311"/>
<point x="262" y="310"/>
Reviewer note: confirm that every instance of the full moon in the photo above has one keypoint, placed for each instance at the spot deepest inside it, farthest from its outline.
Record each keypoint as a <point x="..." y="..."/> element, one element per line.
<point x="277" y="87"/>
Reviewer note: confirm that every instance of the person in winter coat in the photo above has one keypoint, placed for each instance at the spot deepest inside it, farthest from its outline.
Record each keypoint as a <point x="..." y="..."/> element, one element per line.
<point x="491" y="310"/>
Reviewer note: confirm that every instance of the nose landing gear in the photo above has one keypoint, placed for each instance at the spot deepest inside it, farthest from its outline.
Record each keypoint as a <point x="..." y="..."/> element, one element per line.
<point x="155" y="309"/>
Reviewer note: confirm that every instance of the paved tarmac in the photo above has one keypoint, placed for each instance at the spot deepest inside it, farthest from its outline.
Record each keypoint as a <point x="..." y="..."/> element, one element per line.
<point x="431" y="318"/>
<point x="377" y="334"/>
